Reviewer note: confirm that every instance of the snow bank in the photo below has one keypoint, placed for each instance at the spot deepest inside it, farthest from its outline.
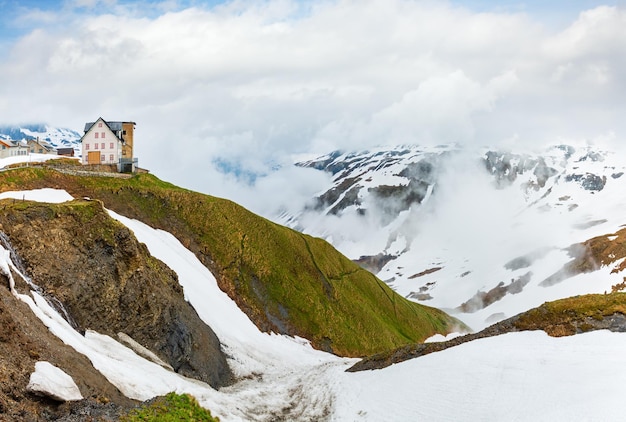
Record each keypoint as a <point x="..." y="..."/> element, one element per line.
<point x="50" y="381"/>
<point x="514" y="377"/>
<point x="52" y="196"/>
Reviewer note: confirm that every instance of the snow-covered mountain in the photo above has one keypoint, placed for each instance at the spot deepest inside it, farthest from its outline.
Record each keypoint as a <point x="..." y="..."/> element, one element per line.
<point x="57" y="137"/>
<point x="483" y="234"/>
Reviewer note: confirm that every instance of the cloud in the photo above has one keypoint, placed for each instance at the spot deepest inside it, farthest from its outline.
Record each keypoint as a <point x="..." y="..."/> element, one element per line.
<point x="249" y="83"/>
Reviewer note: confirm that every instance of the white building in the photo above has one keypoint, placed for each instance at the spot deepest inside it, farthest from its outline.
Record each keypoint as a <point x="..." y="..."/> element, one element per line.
<point x="10" y="148"/>
<point x="107" y="143"/>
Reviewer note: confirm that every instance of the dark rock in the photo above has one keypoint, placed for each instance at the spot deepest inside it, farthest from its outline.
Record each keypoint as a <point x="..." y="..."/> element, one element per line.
<point x="483" y="299"/>
<point x="589" y="181"/>
<point x="374" y="263"/>
<point x="425" y="272"/>
<point x="332" y="195"/>
<point x="419" y="296"/>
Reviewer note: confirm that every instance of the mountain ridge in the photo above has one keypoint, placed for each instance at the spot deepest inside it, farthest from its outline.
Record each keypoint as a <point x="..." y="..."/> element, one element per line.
<point x="442" y="225"/>
<point x="55" y="136"/>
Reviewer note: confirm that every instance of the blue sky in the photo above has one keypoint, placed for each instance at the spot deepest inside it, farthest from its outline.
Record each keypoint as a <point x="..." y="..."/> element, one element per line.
<point x="251" y="84"/>
<point x="555" y="12"/>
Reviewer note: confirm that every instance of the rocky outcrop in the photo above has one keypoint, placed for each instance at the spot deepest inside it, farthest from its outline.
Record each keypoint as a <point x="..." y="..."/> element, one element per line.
<point x="108" y="282"/>
<point x="588" y="181"/>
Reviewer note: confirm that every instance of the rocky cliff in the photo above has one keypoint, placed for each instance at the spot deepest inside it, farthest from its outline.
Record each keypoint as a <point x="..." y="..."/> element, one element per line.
<point x="108" y="282"/>
<point x="92" y="268"/>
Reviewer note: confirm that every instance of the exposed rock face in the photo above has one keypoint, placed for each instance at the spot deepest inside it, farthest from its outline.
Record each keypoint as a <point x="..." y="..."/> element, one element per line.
<point x="108" y="282"/>
<point x="483" y="299"/>
<point x="351" y="187"/>
<point x="506" y="167"/>
<point x="374" y="263"/>
<point x="589" y="181"/>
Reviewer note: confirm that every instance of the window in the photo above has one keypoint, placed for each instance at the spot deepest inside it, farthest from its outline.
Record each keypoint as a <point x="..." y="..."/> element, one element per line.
<point x="103" y="135"/>
<point x="95" y="146"/>
<point x="111" y="157"/>
<point x="102" y="145"/>
<point x="97" y="135"/>
<point x="99" y="125"/>
<point x="102" y="157"/>
<point x="111" y="145"/>
<point x="86" y="146"/>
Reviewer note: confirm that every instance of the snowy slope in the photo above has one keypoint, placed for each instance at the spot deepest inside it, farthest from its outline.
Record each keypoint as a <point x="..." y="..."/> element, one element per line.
<point x="444" y="223"/>
<point x="520" y="376"/>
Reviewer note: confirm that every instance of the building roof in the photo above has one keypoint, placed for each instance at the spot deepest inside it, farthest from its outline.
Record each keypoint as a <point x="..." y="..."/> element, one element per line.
<point x="65" y="151"/>
<point x="114" y="126"/>
<point x="41" y="142"/>
<point x="13" y="144"/>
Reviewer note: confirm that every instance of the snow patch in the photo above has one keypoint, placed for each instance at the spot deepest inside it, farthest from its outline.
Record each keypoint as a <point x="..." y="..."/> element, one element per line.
<point x="30" y="158"/>
<point x="440" y="337"/>
<point x="51" y="196"/>
<point x="50" y="381"/>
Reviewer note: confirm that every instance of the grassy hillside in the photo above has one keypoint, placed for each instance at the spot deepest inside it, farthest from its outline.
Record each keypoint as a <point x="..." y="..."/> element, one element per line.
<point x="576" y="314"/>
<point x="285" y="281"/>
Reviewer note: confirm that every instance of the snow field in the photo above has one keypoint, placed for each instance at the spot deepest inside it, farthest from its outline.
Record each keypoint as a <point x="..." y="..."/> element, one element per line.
<point x="514" y="377"/>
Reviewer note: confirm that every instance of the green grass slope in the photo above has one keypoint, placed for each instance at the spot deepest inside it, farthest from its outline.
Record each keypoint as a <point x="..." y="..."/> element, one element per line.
<point x="285" y="281"/>
<point x="171" y="408"/>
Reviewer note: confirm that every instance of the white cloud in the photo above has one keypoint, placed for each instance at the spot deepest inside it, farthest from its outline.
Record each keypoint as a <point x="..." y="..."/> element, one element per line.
<point x="252" y="82"/>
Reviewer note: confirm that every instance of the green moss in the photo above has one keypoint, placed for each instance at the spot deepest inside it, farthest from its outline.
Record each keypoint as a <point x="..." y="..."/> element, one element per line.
<point x="171" y="408"/>
<point x="285" y="281"/>
<point x="561" y="317"/>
